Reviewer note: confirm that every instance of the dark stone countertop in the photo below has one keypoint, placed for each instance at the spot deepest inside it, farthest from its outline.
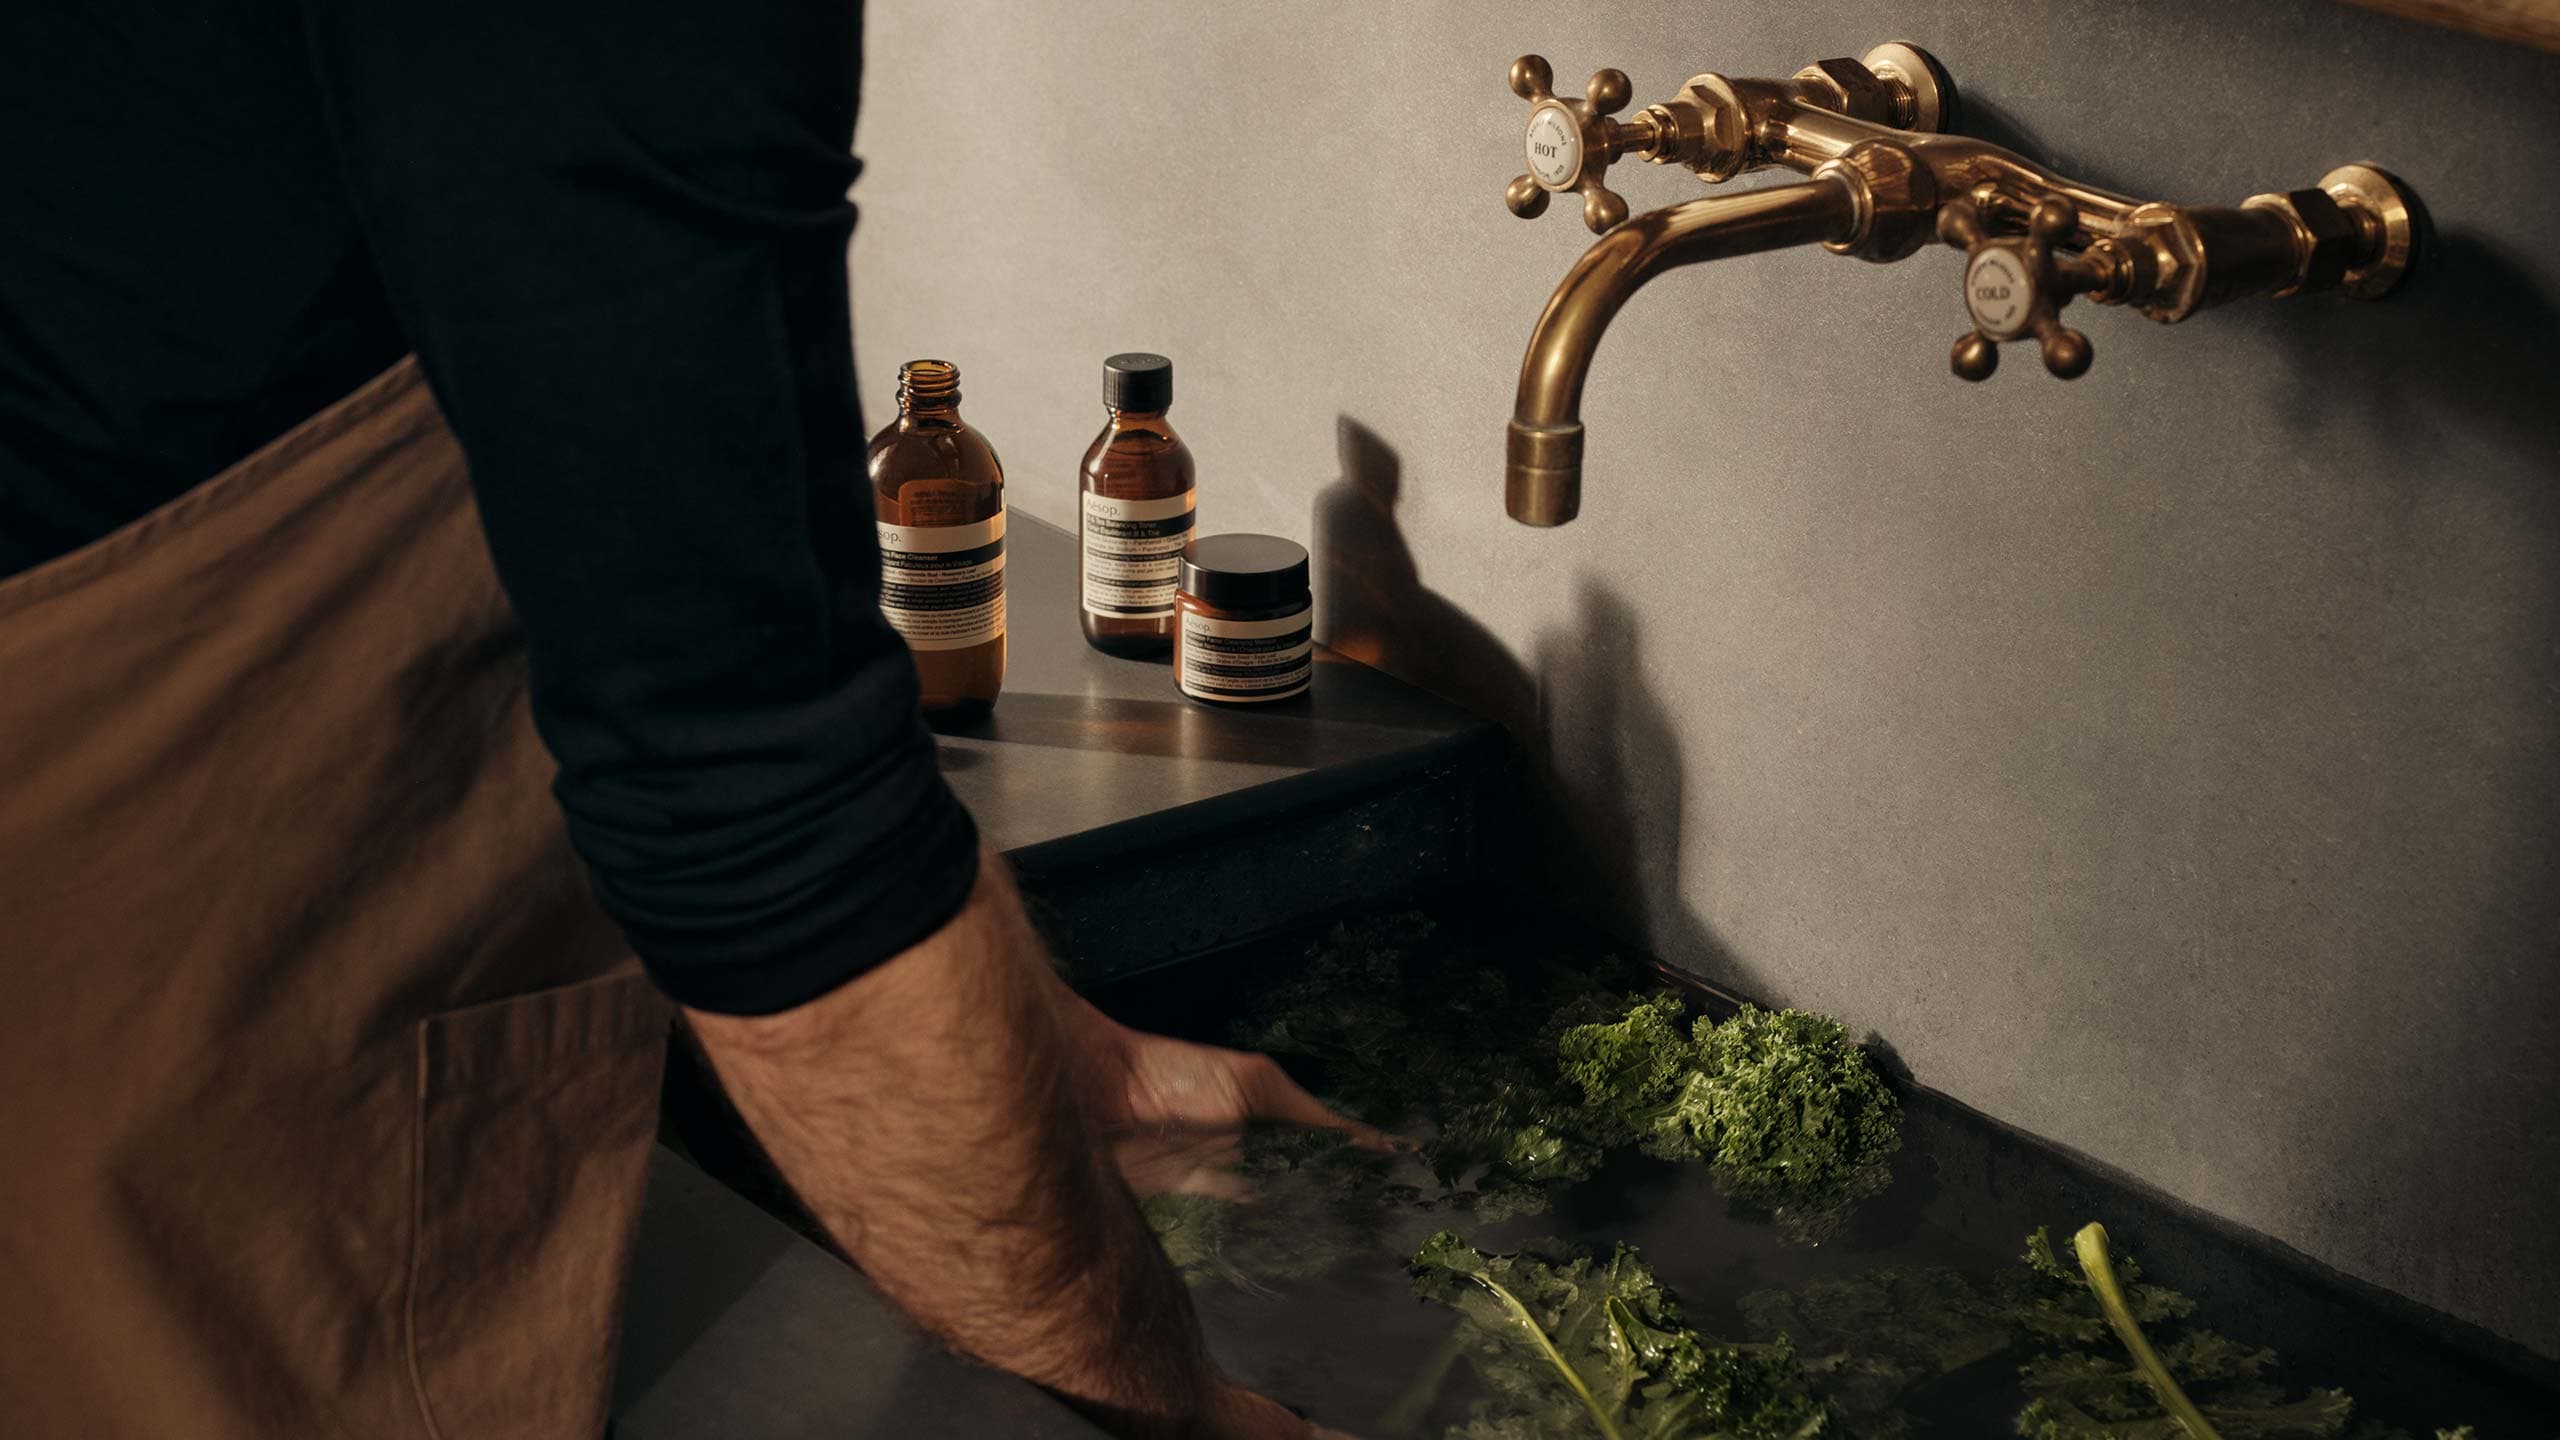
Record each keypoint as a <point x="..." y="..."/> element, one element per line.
<point x="1115" y="798"/>
<point x="1088" y="755"/>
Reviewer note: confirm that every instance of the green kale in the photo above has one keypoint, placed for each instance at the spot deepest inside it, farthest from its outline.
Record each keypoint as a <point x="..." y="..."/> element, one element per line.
<point x="1639" y="1078"/>
<point x="2109" y="1381"/>
<point x="1408" y="1030"/>
<point x="2054" y="1304"/>
<point x="1794" y="1114"/>
<point x="1522" y="1132"/>
<point x="1347" y="1010"/>
<point x="1524" y="1079"/>
<point x="1317" y="1202"/>
<point x="1872" y="1340"/>
<point x="1566" y="1344"/>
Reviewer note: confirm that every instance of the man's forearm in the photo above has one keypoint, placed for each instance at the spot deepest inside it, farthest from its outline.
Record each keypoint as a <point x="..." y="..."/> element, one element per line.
<point x="926" y="1113"/>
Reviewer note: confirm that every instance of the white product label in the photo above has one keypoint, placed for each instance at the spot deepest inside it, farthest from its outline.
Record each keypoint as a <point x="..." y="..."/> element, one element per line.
<point x="1995" y="290"/>
<point x="1555" y="146"/>
<point x="1245" y="659"/>
<point x="1133" y="554"/>
<point x="942" y="586"/>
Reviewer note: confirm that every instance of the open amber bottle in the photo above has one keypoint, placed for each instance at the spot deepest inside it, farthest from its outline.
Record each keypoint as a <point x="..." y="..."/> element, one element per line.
<point x="1136" y="502"/>
<point x="938" y="493"/>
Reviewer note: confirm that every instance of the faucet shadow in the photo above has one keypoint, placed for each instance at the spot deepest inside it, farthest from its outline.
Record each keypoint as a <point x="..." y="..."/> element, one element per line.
<point x="2468" y="348"/>
<point x="1605" y="823"/>
<point x="1371" y="599"/>
<point x="1615" y="769"/>
<point x="2471" y="337"/>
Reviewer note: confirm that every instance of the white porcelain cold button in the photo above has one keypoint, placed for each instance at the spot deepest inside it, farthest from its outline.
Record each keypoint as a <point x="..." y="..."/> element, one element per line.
<point x="1995" y="290"/>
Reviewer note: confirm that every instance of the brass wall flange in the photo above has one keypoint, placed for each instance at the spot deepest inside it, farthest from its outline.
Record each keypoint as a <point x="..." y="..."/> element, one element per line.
<point x="2387" y="209"/>
<point x="1927" y="94"/>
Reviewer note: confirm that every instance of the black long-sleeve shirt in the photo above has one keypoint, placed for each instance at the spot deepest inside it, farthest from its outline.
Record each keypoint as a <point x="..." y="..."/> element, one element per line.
<point x="615" y="236"/>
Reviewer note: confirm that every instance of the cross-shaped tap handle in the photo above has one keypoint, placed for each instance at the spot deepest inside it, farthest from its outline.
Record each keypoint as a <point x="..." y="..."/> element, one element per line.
<point x="2016" y="285"/>
<point x="1571" y="142"/>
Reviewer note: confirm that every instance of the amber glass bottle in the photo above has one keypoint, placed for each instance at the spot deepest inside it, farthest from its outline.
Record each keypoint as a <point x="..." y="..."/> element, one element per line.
<point x="1137" y="498"/>
<point x="939" y="495"/>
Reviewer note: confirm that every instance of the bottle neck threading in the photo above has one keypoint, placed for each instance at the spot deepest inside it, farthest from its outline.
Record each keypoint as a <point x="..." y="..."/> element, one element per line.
<point x="929" y="387"/>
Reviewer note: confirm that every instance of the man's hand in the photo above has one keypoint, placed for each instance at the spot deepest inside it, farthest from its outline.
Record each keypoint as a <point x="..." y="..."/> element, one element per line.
<point x="934" y="1114"/>
<point x="1173" y="1111"/>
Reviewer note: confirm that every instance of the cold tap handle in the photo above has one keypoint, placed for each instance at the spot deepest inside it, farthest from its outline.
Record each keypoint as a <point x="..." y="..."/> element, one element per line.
<point x="2016" y="285"/>
<point x="1571" y="143"/>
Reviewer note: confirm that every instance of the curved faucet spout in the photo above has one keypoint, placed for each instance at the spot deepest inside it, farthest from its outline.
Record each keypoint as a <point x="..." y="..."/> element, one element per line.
<point x="1542" y="484"/>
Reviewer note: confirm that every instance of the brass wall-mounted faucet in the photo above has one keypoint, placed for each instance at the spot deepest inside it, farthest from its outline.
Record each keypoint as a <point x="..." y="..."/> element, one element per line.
<point x="1885" y="183"/>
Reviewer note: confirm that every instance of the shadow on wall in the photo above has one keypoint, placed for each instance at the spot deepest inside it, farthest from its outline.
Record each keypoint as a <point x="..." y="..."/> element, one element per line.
<point x="1607" y="814"/>
<point x="2471" y="339"/>
<point x="2462" y="364"/>
<point x="2463" y="356"/>
<point x="2469" y="349"/>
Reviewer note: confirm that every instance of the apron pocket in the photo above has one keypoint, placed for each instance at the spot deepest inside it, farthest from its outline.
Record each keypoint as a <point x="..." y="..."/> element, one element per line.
<point x="535" y="1116"/>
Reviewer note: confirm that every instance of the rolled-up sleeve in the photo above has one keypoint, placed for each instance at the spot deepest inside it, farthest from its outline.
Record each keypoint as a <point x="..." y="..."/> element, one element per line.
<point x="615" y="236"/>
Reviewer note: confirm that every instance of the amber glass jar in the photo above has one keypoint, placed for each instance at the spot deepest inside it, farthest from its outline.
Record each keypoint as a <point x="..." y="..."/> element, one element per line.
<point x="1244" y="625"/>
<point x="1138" y="499"/>
<point x="938" y="492"/>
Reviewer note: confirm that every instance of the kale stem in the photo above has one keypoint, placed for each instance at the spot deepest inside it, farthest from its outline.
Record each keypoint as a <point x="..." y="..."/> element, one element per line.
<point x="2098" y="1264"/>
<point x="1546" y="1347"/>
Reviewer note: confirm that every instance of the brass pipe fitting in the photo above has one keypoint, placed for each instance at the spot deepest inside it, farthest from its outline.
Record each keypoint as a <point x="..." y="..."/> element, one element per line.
<point x="1886" y="182"/>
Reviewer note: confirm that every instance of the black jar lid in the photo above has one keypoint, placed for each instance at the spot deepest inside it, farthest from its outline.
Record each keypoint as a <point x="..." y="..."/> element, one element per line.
<point x="1138" y="382"/>
<point x="1245" y="572"/>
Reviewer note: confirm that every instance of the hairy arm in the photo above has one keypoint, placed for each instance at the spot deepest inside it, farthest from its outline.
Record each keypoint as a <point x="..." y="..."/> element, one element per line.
<point x="928" y="1114"/>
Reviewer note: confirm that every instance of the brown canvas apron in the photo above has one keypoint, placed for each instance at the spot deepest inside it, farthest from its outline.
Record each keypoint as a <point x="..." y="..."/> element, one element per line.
<point x="325" y="1091"/>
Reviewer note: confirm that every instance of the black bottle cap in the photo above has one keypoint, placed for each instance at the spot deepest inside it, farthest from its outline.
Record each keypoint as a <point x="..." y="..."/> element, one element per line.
<point x="1138" y="382"/>
<point x="1245" y="572"/>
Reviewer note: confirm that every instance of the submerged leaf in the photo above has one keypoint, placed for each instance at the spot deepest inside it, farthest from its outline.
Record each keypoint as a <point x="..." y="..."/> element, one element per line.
<point x="1566" y="1344"/>
<point x="1872" y="1341"/>
<point x="1318" y="1201"/>
<point x="2090" y="1383"/>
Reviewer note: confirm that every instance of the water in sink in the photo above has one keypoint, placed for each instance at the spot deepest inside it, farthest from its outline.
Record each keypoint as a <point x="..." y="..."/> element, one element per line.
<point x="1339" y="1331"/>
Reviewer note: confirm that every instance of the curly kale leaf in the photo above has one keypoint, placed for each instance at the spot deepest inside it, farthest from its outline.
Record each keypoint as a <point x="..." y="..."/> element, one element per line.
<point x="2054" y="1305"/>
<point x="1871" y="1341"/>
<point x="1638" y="1078"/>
<point x="1794" y="1114"/>
<point x="1317" y="1204"/>
<point x="1407" y="1028"/>
<point x="2088" y="1386"/>
<point x="1756" y="1392"/>
<point x="1348" y="1011"/>
<point x="1570" y="1345"/>
<point x="1527" y="1077"/>
<point x="1521" y="1132"/>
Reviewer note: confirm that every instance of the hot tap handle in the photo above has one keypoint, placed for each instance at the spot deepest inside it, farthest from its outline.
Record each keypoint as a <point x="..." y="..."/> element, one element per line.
<point x="2016" y="285"/>
<point x="1570" y="143"/>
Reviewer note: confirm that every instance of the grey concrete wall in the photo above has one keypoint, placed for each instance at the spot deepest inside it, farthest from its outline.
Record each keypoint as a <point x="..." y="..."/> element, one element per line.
<point x="2167" y="763"/>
